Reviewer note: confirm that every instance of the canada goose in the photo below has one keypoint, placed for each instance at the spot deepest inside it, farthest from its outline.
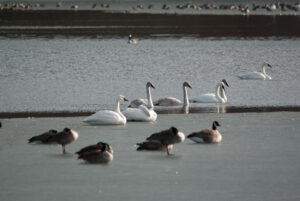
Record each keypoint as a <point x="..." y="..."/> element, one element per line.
<point x="94" y="147"/>
<point x="142" y="101"/>
<point x="207" y="135"/>
<point x="212" y="97"/>
<point x="171" y="101"/>
<point x="257" y="75"/>
<point x="108" y="117"/>
<point x="152" y="145"/>
<point x="64" y="137"/>
<point x="44" y="137"/>
<point x="168" y="138"/>
<point x="131" y="40"/>
<point x="102" y="155"/>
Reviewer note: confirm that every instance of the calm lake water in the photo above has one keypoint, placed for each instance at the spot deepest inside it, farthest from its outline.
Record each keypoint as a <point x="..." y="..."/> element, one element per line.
<point x="257" y="160"/>
<point x="77" y="73"/>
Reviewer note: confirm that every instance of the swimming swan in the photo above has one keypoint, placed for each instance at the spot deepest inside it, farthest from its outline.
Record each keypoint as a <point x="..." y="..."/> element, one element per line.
<point x="142" y="101"/>
<point x="142" y="113"/>
<point x="217" y="97"/>
<point x="131" y="40"/>
<point x="171" y="101"/>
<point x="108" y="117"/>
<point x="257" y="75"/>
<point x="207" y="135"/>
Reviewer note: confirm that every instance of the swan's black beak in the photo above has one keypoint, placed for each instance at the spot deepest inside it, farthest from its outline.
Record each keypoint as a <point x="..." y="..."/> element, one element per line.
<point x="269" y="65"/>
<point x="152" y="86"/>
<point x="225" y="82"/>
<point x="125" y="99"/>
<point x="189" y="86"/>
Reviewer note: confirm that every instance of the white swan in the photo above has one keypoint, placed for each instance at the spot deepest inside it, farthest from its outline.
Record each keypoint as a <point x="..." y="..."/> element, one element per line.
<point x="142" y="101"/>
<point x="108" y="117"/>
<point x="217" y="97"/>
<point x="257" y="75"/>
<point x="171" y="101"/>
<point x="131" y="40"/>
<point x="142" y="113"/>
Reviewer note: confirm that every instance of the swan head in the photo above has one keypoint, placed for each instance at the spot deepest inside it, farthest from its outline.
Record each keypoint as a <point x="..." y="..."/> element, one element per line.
<point x="186" y="84"/>
<point x="121" y="97"/>
<point x="215" y="124"/>
<point x="149" y="84"/>
<point x="267" y="64"/>
<point x="225" y="82"/>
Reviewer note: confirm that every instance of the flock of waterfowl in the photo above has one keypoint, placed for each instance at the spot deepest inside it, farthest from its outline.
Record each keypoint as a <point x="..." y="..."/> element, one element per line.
<point x="143" y="110"/>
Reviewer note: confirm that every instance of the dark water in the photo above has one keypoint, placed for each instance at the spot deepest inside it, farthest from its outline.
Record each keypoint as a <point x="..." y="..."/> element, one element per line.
<point x="76" y="73"/>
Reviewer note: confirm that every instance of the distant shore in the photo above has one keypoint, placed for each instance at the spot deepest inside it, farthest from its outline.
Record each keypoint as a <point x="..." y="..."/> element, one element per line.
<point x="82" y="22"/>
<point x="162" y="110"/>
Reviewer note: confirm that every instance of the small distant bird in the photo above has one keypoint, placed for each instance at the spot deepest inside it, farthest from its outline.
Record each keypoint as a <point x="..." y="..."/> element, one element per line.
<point x="64" y="137"/>
<point x="103" y="155"/>
<point x="44" y="137"/>
<point x="207" y="135"/>
<point x="94" y="147"/>
<point x="131" y="40"/>
<point x="167" y="138"/>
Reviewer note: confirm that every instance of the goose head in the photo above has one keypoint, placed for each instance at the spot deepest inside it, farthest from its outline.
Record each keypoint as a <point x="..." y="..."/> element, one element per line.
<point x="215" y="124"/>
<point x="186" y="84"/>
<point x="149" y="84"/>
<point x="67" y="130"/>
<point x="174" y="130"/>
<point x="225" y="82"/>
<point x="130" y="37"/>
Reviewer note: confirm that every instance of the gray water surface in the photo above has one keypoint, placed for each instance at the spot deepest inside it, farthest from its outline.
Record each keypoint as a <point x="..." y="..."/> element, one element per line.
<point x="257" y="160"/>
<point x="76" y="74"/>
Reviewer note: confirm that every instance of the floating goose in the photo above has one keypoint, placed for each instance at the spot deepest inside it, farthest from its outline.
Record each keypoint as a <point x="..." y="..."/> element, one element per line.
<point x="257" y="75"/>
<point x="171" y="101"/>
<point x="131" y="40"/>
<point x="108" y="117"/>
<point x="212" y="97"/>
<point x="44" y="137"/>
<point x="207" y="135"/>
<point x="103" y="155"/>
<point x="142" y="101"/>
<point x="167" y="138"/>
<point x="94" y="147"/>
<point x="67" y="136"/>
<point x="142" y="113"/>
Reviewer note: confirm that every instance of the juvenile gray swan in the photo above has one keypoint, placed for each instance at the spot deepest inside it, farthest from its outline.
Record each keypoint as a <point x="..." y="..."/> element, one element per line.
<point x="44" y="137"/>
<point x="67" y="136"/>
<point x="103" y="155"/>
<point x="142" y="101"/>
<point x="207" y="135"/>
<point x="167" y="138"/>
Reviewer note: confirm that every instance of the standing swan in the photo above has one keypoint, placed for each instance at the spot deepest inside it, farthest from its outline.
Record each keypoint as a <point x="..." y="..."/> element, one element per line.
<point x="171" y="101"/>
<point x="142" y="101"/>
<point x="207" y="135"/>
<point x="108" y="117"/>
<point x="131" y="40"/>
<point x="217" y="97"/>
<point x="257" y="75"/>
<point x="142" y="113"/>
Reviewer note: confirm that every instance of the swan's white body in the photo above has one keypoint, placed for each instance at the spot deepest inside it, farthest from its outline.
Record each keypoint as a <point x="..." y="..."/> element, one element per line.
<point x="108" y="117"/>
<point x="142" y="113"/>
<point x="257" y="75"/>
<point x="211" y="97"/>
<point x="171" y="101"/>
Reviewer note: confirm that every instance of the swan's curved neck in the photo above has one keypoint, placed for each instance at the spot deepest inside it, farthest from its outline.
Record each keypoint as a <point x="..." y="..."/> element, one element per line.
<point x="117" y="106"/>
<point x="185" y="97"/>
<point x="263" y="69"/>
<point x="223" y="94"/>
<point x="149" y="97"/>
<point x="218" y="88"/>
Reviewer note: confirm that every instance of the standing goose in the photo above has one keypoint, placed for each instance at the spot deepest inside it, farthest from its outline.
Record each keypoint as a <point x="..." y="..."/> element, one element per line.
<point x="108" y="117"/>
<point x="142" y="101"/>
<point x="131" y="40"/>
<point x="257" y="75"/>
<point x="207" y="135"/>
<point x="171" y="101"/>
<point x="44" y="137"/>
<point x="167" y="138"/>
<point x="142" y="113"/>
<point x="212" y="97"/>
<point x="103" y="155"/>
<point x="67" y="136"/>
<point x="94" y="147"/>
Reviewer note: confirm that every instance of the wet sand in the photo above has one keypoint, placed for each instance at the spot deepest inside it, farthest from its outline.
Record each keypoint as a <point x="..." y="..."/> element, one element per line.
<point x="87" y="22"/>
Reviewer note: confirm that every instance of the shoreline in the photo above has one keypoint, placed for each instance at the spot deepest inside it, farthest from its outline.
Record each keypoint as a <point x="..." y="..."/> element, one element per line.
<point x="161" y="110"/>
<point x="92" y="22"/>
